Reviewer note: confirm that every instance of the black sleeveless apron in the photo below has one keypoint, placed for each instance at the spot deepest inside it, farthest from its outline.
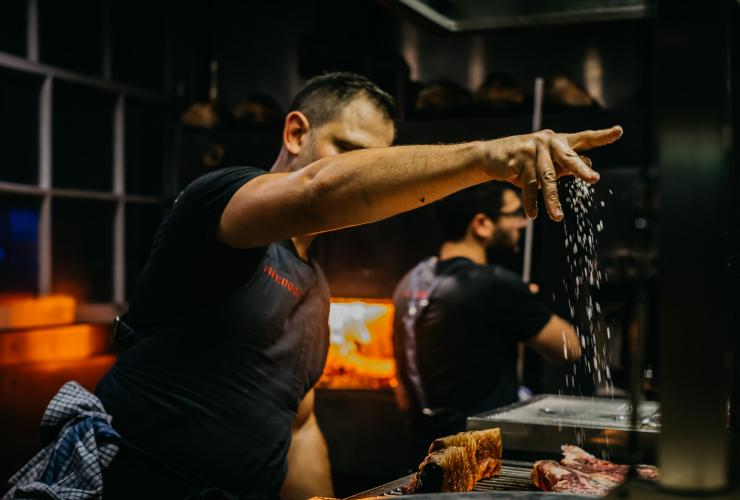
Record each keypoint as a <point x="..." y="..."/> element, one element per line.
<point x="215" y="396"/>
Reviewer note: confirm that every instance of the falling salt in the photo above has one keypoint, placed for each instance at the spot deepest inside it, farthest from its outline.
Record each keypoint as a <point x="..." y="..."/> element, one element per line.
<point x="584" y="276"/>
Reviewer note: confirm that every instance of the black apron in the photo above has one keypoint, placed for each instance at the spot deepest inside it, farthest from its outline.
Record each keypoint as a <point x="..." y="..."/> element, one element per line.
<point x="270" y="347"/>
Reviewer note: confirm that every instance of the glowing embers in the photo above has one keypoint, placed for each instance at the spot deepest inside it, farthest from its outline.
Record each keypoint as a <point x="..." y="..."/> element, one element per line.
<point x="43" y="329"/>
<point x="70" y="342"/>
<point x="17" y="311"/>
<point x="361" y="348"/>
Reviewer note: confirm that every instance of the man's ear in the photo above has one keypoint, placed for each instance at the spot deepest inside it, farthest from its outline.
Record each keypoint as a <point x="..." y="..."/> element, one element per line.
<point x="482" y="226"/>
<point x="294" y="132"/>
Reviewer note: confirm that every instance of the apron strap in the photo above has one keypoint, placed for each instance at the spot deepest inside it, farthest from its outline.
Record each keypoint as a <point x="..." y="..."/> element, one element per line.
<point x="424" y="281"/>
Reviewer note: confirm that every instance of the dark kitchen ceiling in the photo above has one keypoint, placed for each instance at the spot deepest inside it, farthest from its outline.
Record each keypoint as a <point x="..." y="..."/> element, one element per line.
<point x="471" y="15"/>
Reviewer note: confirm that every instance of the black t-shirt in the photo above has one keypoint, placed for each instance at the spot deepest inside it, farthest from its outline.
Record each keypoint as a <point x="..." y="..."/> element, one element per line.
<point x="466" y="333"/>
<point x="230" y="342"/>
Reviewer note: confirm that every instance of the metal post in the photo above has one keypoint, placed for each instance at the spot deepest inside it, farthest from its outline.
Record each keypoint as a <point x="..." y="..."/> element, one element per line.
<point x="734" y="268"/>
<point x="636" y="347"/>
<point x="529" y="231"/>
<point x="32" y="30"/>
<point x="119" y="187"/>
<point x="694" y="158"/>
<point x="45" y="260"/>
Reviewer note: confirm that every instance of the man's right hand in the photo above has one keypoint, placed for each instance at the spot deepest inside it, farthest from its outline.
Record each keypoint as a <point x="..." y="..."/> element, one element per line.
<point x="368" y="185"/>
<point x="534" y="161"/>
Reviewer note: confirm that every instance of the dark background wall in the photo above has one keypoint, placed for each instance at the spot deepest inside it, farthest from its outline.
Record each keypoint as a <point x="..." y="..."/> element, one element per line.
<point x="272" y="47"/>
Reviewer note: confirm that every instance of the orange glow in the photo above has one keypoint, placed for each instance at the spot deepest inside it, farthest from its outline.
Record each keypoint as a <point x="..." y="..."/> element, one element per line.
<point x="30" y="312"/>
<point x="52" y="344"/>
<point x="361" y="347"/>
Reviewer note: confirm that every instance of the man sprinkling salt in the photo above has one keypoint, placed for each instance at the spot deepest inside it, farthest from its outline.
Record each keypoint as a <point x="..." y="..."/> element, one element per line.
<point x="227" y="329"/>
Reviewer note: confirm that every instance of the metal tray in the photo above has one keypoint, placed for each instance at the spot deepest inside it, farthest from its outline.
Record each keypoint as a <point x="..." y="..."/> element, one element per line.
<point x="539" y="426"/>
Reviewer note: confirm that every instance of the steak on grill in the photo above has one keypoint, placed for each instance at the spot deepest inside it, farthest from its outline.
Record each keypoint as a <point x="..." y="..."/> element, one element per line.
<point x="582" y="473"/>
<point x="484" y="446"/>
<point x="456" y="462"/>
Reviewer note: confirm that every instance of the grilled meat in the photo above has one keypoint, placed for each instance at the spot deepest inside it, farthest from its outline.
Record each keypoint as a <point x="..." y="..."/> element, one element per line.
<point x="449" y="469"/>
<point x="581" y="472"/>
<point x="456" y="462"/>
<point x="549" y="475"/>
<point x="484" y="446"/>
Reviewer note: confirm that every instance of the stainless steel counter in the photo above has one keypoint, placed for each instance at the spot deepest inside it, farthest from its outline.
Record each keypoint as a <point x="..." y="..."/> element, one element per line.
<point x="542" y="424"/>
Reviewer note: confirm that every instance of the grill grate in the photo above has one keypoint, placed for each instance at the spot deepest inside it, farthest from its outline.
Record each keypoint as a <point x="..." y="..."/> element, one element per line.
<point x="514" y="476"/>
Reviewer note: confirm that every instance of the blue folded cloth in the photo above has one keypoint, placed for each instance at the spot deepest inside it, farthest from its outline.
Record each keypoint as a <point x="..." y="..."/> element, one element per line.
<point x="81" y="443"/>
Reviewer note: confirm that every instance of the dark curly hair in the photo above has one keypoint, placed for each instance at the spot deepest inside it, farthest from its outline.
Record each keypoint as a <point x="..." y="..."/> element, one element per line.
<point x="457" y="210"/>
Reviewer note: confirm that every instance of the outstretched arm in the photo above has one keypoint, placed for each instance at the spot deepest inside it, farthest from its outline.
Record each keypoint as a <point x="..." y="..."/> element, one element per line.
<point x="371" y="184"/>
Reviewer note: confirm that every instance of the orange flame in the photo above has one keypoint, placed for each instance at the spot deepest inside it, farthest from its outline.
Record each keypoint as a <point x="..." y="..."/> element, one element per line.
<point x="361" y="347"/>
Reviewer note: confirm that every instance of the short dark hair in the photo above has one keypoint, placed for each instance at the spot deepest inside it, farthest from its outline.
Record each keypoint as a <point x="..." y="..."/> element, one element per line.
<point x="321" y="97"/>
<point x="457" y="210"/>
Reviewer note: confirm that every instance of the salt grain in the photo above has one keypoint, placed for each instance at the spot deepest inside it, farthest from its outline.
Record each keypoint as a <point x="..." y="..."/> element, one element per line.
<point x="584" y="275"/>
